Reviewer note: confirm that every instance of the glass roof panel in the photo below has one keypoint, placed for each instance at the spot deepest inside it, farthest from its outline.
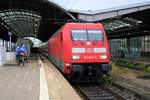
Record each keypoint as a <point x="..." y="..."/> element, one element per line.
<point x="21" y="21"/>
<point x="121" y="23"/>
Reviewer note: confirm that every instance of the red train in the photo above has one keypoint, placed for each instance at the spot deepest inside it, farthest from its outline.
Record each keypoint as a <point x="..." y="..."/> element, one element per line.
<point x="80" y="49"/>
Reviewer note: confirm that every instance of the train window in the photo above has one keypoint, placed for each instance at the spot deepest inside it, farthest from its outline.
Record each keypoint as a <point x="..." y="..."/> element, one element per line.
<point x="79" y="35"/>
<point x="95" y="35"/>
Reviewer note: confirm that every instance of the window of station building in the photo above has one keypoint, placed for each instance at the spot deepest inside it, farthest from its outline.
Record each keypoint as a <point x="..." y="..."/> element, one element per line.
<point x="146" y="43"/>
<point x="134" y="44"/>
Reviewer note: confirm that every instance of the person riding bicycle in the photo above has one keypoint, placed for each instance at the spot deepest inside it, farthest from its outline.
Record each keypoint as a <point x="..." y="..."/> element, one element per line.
<point x="20" y="51"/>
<point x="26" y="51"/>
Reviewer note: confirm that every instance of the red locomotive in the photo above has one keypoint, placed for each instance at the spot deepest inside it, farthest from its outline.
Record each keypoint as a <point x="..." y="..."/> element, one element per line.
<point x="80" y="49"/>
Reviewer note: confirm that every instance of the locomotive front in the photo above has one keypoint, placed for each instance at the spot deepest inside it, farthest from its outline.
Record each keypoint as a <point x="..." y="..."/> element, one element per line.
<point x="89" y="56"/>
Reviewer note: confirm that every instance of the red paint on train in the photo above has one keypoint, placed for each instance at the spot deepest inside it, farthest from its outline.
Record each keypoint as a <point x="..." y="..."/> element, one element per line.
<point x="78" y="44"/>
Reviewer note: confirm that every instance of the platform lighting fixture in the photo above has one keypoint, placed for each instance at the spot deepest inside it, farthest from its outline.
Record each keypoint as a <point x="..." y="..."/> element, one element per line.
<point x="2" y="23"/>
<point x="35" y="25"/>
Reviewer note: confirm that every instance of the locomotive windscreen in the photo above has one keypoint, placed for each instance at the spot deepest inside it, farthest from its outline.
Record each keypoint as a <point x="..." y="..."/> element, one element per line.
<point x="87" y="35"/>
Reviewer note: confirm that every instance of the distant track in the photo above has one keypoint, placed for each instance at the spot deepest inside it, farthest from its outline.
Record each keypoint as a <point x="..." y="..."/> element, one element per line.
<point x="97" y="92"/>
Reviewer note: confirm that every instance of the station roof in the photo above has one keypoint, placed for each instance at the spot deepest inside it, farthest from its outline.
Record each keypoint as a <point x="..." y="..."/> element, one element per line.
<point x="23" y="22"/>
<point x="41" y="18"/>
<point x="99" y="6"/>
<point x="30" y="18"/>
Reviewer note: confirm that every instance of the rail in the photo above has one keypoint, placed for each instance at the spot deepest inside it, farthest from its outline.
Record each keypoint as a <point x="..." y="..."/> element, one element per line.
<point x="98" y="92"/>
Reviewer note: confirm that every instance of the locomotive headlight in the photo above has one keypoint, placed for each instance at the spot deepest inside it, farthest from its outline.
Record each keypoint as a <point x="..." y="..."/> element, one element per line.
<point x="75" y="57"/>
<point x="104" y="56"/>
<point x="67" y="64"/>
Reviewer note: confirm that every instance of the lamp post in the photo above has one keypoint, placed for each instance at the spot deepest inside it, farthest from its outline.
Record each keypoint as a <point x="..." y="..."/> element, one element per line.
<point x="10" y="35"/>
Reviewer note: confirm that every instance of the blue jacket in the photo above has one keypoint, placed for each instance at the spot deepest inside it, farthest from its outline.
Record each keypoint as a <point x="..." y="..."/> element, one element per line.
<point x="20" y="50"/>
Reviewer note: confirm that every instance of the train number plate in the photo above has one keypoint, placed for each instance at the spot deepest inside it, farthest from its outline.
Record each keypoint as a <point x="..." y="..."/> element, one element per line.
<point x="90" y="57"/>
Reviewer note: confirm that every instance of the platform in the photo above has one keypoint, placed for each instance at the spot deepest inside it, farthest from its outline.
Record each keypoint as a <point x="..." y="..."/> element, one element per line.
<point x="28" y="83"/>
<point x="19" y="82"/>
<point x="58" y="86"/>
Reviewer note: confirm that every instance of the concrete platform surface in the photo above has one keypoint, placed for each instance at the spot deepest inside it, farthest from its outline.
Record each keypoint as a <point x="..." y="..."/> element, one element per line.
<point x="36" y="80"/>
<point x="19" y="82"/>
<point x="59" y="88"/>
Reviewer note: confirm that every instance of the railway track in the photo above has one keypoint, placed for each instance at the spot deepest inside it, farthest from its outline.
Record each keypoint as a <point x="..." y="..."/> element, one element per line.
<point x="97" y="92"/>
<point x="94" y="91"/>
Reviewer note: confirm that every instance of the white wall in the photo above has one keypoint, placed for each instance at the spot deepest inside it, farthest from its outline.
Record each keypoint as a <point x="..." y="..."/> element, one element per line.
<point x="10" y="56"/>
<point x="2" y="55"/>
<point x="6" y="56"/>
